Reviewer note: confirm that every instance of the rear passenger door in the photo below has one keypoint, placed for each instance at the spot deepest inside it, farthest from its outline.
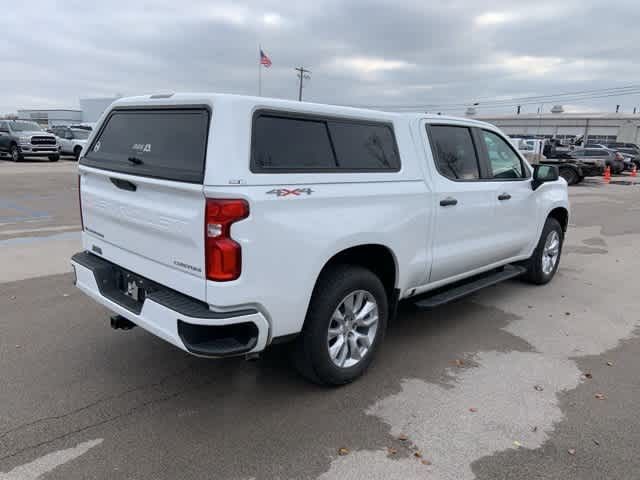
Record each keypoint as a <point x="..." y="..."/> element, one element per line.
<point x="515" y="213"/>
<point x="465" y="229"/>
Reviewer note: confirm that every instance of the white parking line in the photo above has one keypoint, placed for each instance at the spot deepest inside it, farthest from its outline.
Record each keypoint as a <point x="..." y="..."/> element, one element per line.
<point x="44" y="465"/>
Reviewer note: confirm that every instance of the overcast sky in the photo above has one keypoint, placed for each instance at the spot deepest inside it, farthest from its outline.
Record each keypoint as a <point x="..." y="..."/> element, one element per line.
<point x="400" y="52"/>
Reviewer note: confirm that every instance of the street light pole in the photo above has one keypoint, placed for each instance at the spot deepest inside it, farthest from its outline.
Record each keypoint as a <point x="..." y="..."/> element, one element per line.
<point x="303" y="74"/>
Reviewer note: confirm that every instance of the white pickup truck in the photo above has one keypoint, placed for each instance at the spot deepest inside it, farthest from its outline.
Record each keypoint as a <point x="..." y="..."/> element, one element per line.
<point x="224" y="224"/>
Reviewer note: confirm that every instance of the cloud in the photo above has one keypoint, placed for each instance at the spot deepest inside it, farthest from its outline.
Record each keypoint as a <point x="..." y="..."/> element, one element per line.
<point x="494" y="18"/>
<point x="369" y="65"/>
<point x="362" y="52"/>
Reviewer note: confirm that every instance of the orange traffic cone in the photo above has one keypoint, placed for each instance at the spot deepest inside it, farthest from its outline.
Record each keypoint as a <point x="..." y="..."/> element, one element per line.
<point x="607" y="174"/>
<point x="634" y="170"/>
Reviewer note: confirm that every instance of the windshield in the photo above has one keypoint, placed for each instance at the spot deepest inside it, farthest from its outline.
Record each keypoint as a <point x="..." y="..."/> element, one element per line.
<point x="25" y="127"/>
<point x="80" y="134"/>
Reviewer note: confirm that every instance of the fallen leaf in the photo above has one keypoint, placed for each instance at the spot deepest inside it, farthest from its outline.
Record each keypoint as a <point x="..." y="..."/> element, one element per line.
<point x="539" y="388"/>
<point x="417" y="454"/>
<point x="18" y="346"/>
<point x="534" y="429"/>
<point x="13" y="297"/>
<point x="571" y="451"/>
<point x="567" y="313"/>
<point x="600" y="396"/>
<point x="391" y="451"/>
<point x="425" y="462"/>
<point x="588" y="375"/>
<point x="342" y="451"/>
<point x="610" y="364"/>
<point x="458" y="362"/>
<point x="473" y="409"/>
<point x="596" y="442"/>
<point x="517" y="444"/>
<point x="402" y="437"/>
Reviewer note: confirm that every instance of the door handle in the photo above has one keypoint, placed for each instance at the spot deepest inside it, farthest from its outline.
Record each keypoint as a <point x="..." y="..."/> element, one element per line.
<point x="124" y="184"/>
<point x="448" y="202"/>
<point x="504" y="196"/>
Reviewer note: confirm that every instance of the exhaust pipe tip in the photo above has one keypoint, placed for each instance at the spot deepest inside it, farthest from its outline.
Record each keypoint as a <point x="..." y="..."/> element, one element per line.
<point x="118" y="322"/>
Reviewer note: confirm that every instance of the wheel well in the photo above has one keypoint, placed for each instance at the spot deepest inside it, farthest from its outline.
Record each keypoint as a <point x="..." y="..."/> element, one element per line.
<point x="562" y="216"/>
<point x="376" y="258"/>
<point x="76" y="148"/>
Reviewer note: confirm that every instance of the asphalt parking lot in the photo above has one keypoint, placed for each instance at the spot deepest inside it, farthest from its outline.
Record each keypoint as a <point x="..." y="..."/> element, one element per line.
<point x="513" y="382"/>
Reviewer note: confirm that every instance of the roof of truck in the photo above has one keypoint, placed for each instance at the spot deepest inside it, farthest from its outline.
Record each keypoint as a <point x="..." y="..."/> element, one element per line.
<point x="268" y="102"/>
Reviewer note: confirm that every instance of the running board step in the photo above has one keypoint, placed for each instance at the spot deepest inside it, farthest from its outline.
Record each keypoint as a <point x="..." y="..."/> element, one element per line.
<point x="467" y="287"/>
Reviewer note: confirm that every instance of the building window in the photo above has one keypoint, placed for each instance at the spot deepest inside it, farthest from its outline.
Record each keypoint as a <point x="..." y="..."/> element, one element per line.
<point x="601" y="139"/>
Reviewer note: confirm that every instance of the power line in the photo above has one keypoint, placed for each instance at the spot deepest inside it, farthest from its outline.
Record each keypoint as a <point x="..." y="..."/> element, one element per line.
<point x="527" y="100"/>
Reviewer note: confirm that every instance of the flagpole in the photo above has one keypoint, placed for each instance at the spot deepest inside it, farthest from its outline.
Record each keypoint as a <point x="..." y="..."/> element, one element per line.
<point x="259" y="70"/>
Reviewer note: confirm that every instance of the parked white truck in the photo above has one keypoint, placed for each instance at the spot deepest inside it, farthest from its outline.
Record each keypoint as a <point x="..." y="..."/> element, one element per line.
<point x="224" y="224"/>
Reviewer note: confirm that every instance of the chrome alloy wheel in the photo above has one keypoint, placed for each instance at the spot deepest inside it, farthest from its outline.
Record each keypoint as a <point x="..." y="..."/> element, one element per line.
<point x="352" y="329"/>
<point x="551" y="252"/>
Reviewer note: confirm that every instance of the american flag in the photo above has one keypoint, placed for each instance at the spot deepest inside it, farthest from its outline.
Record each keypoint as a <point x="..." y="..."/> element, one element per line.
<point x="264" y="60"/>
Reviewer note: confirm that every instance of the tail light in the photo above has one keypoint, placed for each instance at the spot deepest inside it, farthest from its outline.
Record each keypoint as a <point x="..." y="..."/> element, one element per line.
<point x="223" y="255"/>
<point x="80" y="202"/>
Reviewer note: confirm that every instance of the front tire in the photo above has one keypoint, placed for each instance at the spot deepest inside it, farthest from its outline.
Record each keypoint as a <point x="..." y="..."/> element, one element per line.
<point x="15" y="154"/>
<point x="543" y="264"/>
<point x="76" y="153"/>
<point x="344" y="327"/>
<point x="54" y="158"/>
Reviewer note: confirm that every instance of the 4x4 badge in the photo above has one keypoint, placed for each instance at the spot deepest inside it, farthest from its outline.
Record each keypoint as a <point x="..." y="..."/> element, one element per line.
<point x="283" y="192"/>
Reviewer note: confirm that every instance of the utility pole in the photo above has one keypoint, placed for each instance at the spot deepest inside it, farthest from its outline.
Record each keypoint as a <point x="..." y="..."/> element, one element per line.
<point x="303" y="74"/>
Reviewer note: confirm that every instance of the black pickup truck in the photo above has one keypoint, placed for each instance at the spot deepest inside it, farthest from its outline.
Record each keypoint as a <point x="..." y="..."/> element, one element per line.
<point x="20" y="139"/>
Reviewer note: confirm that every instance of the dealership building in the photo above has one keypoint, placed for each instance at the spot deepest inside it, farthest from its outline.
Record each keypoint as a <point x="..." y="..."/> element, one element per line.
<point x="594" y="127"/>
<point x="88" y="113"/>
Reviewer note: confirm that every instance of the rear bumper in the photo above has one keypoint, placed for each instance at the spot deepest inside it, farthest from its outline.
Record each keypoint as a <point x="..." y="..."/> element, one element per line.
<point x="180" y="320"/>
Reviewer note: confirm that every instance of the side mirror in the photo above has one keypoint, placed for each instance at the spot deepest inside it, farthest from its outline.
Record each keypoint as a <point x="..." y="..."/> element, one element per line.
<point x="543" y="174"/>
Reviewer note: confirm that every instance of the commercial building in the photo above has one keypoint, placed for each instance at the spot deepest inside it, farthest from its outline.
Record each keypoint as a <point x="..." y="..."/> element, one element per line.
<point x="594" y="127"/>
<point x="89" y="112"/>
<point x="92" y="108"/>
<point x="47" y="118"/>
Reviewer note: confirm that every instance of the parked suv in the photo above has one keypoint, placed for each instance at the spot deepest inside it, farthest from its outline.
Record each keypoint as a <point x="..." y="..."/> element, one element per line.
<point x="611" y="158"/>
<point x="20" y="139"/>
<point x="224" y="224"/>
<point x="71" y="139"/>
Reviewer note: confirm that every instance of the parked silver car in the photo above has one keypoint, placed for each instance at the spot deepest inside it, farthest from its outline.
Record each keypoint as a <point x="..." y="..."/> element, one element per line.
<point x="611" y="158"/>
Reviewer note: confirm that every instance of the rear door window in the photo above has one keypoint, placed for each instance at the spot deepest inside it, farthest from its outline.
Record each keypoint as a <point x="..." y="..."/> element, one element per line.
<point x="455" y="153"/>
<point x="162" y="143"/>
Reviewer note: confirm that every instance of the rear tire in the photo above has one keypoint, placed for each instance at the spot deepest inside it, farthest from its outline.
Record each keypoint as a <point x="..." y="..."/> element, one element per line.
<point x="340" y="337"/>
<point x="569" y="175"/>
<point x="54" y="158"/>
<point x="15" y="154"/>
<point x="543" y="264"/>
